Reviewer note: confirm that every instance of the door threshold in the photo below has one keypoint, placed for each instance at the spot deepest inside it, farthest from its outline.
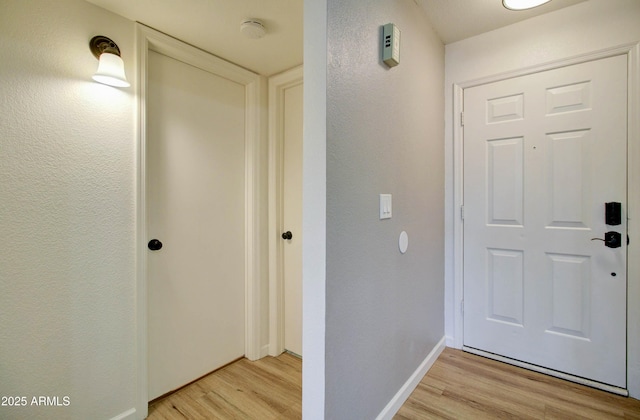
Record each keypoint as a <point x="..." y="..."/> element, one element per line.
<point x="567" y="377"/>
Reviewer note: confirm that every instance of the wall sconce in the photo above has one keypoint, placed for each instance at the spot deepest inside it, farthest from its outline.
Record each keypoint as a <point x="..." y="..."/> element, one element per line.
<point x="110" y="67"/>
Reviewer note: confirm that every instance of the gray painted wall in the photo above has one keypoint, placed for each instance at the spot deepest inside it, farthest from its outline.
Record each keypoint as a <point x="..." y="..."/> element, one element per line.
<point x="384" y="310"/>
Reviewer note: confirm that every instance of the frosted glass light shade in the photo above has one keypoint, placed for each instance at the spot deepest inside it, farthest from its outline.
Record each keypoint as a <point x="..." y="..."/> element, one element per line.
<point x="522" y="4"/>
<point x="111" y="71"/>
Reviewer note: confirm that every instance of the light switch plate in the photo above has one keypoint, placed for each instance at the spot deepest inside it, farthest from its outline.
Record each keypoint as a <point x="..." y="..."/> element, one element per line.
<point x="385" y="206"/>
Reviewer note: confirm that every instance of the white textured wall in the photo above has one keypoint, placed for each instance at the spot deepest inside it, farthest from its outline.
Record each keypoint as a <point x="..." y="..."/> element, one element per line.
<point x="384" y="310"/>
<point x="67" y="268"/>
<point x="581" y="29"/>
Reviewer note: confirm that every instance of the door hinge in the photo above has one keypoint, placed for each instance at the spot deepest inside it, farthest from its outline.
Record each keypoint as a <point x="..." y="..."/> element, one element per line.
<point x="462" y="119"/>
<point x="462" y="306"/>
<point x="462" y="212"/>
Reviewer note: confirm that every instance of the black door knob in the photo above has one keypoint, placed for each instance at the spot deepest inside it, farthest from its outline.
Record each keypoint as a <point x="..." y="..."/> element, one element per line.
<point x="612" y="239"/>
<point x="154" y="244"/>
<point x="287" y="235"/>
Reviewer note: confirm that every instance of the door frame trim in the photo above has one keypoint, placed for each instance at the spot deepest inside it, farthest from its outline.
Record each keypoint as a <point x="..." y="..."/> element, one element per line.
<point x="255" y="100"/>
<point x="278" y="84"/>
<point x="632" y="51"/>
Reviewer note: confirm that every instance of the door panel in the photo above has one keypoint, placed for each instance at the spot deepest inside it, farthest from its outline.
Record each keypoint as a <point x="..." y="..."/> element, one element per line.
<point x="505" y="177"/>
<point x="543" y="153"/>
<point x="196" y="207"/>
<point x="569" y="181"/>
<point x="506" y="286"/>
<point x="570" y="305"/>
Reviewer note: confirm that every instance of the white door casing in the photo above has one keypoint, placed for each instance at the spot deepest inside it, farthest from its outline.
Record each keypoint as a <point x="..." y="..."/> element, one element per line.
<point x="292" y="217"/>
<point x="255" y="105"/>
<point x="542" y="154"/>
<point x="285" y="211"/>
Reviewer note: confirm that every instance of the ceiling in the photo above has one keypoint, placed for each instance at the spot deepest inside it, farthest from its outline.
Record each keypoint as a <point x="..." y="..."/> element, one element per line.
<point x="214" y="25"/>
<point x="454" y="20"/>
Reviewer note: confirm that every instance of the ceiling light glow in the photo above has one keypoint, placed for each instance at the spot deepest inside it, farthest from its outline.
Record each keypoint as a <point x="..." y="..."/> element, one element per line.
<point x="522" y="4"/>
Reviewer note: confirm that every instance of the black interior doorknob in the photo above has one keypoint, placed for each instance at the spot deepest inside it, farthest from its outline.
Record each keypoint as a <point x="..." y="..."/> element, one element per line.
<point x="287" y="235"/>
<point x="154" y="244"/>
<point x="612" y="239"/>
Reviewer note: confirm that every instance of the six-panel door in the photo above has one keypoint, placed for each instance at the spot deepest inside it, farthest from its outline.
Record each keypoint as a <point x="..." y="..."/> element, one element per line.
<point x="543" y="153"/>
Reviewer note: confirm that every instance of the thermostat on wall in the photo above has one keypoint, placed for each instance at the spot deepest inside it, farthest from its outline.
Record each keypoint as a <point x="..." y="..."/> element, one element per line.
<point x="391" y="45"/>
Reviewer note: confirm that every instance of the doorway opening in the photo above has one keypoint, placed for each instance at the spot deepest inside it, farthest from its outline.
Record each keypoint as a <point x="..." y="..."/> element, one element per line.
<point x="253" y="87"/>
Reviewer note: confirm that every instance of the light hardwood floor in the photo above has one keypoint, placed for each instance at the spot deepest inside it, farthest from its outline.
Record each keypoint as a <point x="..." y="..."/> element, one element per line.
<point x="465" y="386"/>
<point x="270" y="388"/>
<point x="458" y="386"/>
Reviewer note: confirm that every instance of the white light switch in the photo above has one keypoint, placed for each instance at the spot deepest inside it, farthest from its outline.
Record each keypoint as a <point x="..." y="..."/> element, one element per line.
<point x="385" y="206"/>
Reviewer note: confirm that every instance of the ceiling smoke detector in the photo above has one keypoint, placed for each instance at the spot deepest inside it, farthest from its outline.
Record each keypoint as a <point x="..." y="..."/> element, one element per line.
<point x="253" y="28"/>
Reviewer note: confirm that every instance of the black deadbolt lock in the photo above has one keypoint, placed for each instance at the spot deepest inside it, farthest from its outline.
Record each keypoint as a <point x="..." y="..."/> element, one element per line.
<point x="154" y="244"/>
<point x="287" y="235"/>
<point x="613" y="213"/>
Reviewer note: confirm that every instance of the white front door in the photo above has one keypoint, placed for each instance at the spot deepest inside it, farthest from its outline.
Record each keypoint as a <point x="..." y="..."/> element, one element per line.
<point x="543" y="153"/>
<point x="196" y="208"/>
<point x="292" y="218"/>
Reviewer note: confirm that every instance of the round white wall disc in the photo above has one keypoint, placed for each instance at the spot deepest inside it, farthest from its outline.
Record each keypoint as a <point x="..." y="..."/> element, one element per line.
<point x="403" y="242"/>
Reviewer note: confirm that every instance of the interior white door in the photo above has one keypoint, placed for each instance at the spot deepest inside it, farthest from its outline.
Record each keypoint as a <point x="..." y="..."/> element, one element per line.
<point x="196" y="208"/>
<point x="292" y="216"/>
<point x="543" y="153"/>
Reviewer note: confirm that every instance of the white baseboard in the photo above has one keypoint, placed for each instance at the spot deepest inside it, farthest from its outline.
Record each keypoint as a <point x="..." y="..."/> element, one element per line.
<point x="130" y="414"/>
<point x="264" y="351"/>
<point x="450" y="341"/>
<point x="405" y="391"/>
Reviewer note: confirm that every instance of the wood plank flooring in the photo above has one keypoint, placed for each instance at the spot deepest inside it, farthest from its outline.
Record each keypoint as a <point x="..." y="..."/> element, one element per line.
<point x="458" y="386"/>
<point x="270" y="388"/>
<point x="465" y="386"/>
